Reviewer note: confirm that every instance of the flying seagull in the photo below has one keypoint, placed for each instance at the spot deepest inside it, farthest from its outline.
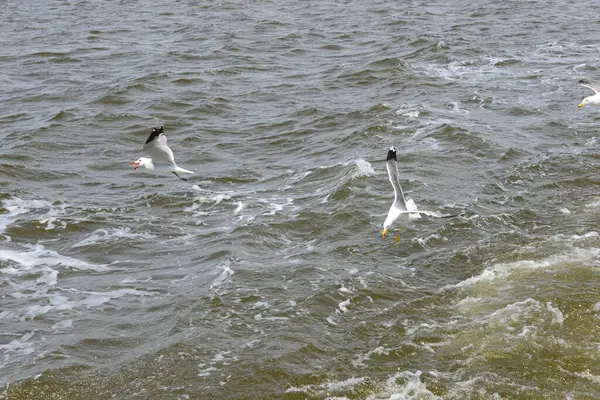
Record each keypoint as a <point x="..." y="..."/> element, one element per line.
<point x="161" y="155"/>
<point x="593" y="99"/>
<point x="401" y="208"/>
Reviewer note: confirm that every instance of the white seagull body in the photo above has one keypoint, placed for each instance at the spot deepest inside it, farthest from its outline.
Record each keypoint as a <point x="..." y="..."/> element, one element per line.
<point x="593" y="99"/>
<point x="161" y="155"/>
<point x="401" y="208"/>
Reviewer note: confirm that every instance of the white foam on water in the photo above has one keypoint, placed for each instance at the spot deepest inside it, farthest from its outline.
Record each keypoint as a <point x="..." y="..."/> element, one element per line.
<point x="40" y="256"/>
<point x="223" y="276"/>
<point x="223" y="357"/>
<point x="405" y="385"/>
<point x="588" y="376"/>
<point x="557" y="315"/>
<point x="41" y="301"/>
<point x="362" y="281"/>
<point x="53" y="215"/>
<point x="278" y="207"/>
<point x="259" y="317"/>
<point x="49" y="277"/>
<point x="363" y="168"/>
<point x="587" y="235"/>
<point x="111" y="234"/>
<point x="65" y="324"/>
<point x="359" y="361"/>
<point x="409" y="114"/>
<point x="261" y="304"/>
<point x="343" y="306"/>
<point x="424" y="241"/>
<point x="454" y="106"/>
<point x="593" y="204"/>
<point x="339" y="385"/>
<point x="515" y="312"/>
<point x="202" y="204"/>
<point x="214" y="199"/>
<point x="297" y="178"/>
<point x="16" y="206"/>
<point x="19" y="346"/>
<point x="344" y="289"/>
<point x="504" y="270"/>
<point x="207" y="371"/>
<point x="322" y="388"/>
<point x="239" y="208"/>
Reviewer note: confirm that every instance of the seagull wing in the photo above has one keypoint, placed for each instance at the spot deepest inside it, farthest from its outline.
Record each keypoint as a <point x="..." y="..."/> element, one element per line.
<point x="392" y="169"/>
<point x="430" y="213"/>
<point x="156" y="147"/>
<point x="588" y="86"/>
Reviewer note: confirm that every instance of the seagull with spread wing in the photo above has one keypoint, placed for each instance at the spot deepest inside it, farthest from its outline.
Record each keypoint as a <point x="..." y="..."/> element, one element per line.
<point x="401" y="208"/>
<point x="593" y="99"/>
<point x="161" y="155"/>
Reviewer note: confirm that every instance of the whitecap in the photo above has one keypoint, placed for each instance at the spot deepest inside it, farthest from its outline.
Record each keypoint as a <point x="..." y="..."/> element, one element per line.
<point x="363" y="168"/>
<point x="64" y="324"/>
<point x="343" y="306"/>
<point x="594" y="203"/>
<point x="16" y="206"/>
<point x="240" y="207"/>
<point x="410" y="388"/>
<point x="107" y="235"/>
<point x="592" y="234"/>
<point x="41" y="256"/>
<point x="261" y="304"/>
<point x="329" y="386"/>
<point x="226" y="272"/>
<point x="279" y="207"/>
<point x="557" y="315"/>
<point x="259" y="317"/>
<point x="503" y="270"/>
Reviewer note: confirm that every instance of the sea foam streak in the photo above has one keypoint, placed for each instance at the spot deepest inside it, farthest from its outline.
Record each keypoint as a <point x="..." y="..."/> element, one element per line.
<point x="107" y="235"/>
<point x="40" y="256"/>
<point x="16" y="206"/>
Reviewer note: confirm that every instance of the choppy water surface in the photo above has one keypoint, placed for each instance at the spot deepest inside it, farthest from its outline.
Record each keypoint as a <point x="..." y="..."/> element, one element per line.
<point x="265" y="276"/>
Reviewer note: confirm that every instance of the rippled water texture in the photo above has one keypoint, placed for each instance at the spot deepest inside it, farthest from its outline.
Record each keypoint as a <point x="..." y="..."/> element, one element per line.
<point x="265" y="276"/>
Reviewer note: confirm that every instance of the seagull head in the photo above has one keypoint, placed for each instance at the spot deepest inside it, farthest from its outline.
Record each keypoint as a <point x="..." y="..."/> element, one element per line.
<point x="584" y="102"/>
<point x="592" y="100"/>
<point x="386" y="225"/>
<point x="392" y="216"/>
<point x="141" y="162"/>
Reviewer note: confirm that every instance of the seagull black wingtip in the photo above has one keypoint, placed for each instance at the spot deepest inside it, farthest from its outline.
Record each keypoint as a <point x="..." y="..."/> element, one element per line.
<point x="391" y="155"/>
<point x="154" y="134"/>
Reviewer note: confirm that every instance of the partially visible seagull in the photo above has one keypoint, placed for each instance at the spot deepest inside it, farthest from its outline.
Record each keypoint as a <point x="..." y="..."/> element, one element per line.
<point x="593" y="99"/>
<point x="162" y="156"/>
<point x="401" y="208"/>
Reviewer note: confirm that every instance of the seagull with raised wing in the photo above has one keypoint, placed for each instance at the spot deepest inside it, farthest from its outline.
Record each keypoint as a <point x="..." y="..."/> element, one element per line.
<point x="593" y="99"/>
<point x="401" y="208"/>
<point x="161" y="155"/>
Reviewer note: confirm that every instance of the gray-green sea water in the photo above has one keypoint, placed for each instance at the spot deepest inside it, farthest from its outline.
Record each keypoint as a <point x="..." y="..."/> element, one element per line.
<point x="265" y="276"/>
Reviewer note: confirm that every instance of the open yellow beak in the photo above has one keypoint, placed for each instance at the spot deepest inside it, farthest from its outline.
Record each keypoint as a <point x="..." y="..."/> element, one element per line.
<point x="384" y="232"/>
<point x="580" y="105"/>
